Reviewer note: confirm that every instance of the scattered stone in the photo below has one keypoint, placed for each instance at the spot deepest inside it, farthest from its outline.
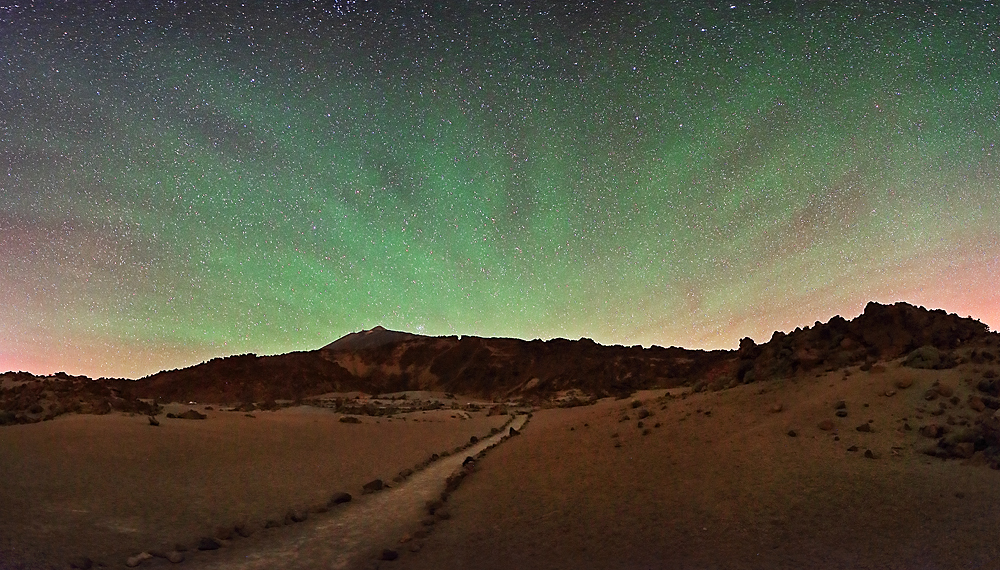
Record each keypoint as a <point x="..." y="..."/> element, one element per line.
<point x="840" y="405"/>
<point x="945" y="390"/>
<point x="825" y="425"/>
<point x="373" y="486"/>
<point x="904" y="383"/>
<point x="777" y="408"/>
<point x="890" y="393"/>
<point x="191" y="415"/>
<point x="932" y="431"/>
<point x="852" y="448"/>
<point x="931" y="394"/>
<point x="864" y="428"/>
<point x="138" y="559"/>
<point x="244" y="529"/>
<point x="792" y="433"/>
<point x="389" y="554"/>
<point x="175" y="557"/>
<point x="870" y="454"/>
<point x="295" y="516"/>
<point x="473" y="439"/>
<point x="964" y="450"/>
<point x="208" y="543"/>
<point x="635" y="404"/>
<point x="976" y="404"/>
<point x="349" y="420"/>
<point x="153" y="421"/>
<point x="647" y="431"/>
<point x="514" y="432"/>
<point x="841" y="413"/>
<point x="81" y="563"/>
<point x="618" y="444"/>
<point x="643" y="414"/>
<point x="340" y="498"/>
<point x="405" y="538"/>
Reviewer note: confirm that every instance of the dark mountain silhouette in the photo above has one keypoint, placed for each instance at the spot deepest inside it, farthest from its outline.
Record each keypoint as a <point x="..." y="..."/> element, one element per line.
<point x="381" y="361"/>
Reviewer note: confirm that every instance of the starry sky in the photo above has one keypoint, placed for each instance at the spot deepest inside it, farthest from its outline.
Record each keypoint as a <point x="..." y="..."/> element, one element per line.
<point x="179" y="182"/>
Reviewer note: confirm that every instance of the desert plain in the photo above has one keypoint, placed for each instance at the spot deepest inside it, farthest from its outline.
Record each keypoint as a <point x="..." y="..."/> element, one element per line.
<point x="871" y="447"/>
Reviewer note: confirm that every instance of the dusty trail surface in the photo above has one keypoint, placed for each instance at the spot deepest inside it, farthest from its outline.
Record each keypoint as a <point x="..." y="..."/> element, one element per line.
<point x="350" y="535"/>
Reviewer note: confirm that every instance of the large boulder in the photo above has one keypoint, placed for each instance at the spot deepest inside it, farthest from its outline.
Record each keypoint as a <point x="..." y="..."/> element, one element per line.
<point x="927" y="357"/>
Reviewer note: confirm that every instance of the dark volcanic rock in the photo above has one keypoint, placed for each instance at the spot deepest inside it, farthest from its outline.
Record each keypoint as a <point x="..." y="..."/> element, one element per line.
<point x="340" y="498"/>
<point x="191" y="415"/>
<point x="373" y="486"/>
<point x="208" y="543"/>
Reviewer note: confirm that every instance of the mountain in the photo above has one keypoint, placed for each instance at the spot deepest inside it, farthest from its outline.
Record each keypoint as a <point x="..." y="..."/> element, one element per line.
<point x="381" y="361"/>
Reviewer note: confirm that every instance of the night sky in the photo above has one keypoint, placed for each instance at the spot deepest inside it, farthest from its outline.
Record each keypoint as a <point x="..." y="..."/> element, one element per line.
<point x="179" y="183"/>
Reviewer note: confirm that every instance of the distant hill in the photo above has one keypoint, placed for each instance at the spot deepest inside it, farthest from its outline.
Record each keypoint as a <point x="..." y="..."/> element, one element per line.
<point x="381" y="361"/>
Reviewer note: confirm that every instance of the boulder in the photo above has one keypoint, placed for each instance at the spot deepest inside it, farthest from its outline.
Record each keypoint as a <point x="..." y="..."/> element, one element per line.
<point x="373" y="486"/>
<point x="927" y="357"/>
<point x="339" y="497"/>
<point x="389" y="554"/>
<point x="138" y="559"/>
<point x="208" y="543"/>
<point x="191" y="415"/>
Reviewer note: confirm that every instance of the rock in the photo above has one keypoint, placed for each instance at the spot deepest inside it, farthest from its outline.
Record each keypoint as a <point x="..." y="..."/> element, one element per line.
<point x="777" y="408"/>
<point x="340" y="498"/>
<point x="864" y="428"/>
<point x="389" y="554"/>
<point x="175" y="557"/>
<point x="931" y="394"/>
<point x="373" y="486"/>
<point x="468" y="460"/>
<point x="870" y="454"/>
<point x="514" y="432"/>
<point x="931" y="430"/>
<point x="926" y="357"/>
<point x="792" y="433"/>
<point x="976" y="404"/>
<point x="153" y="421"/>
<point x="138" y="559"/>
<point x="191" y="415"/>
<point x="945" y="390"/>
<point x="964" y="449"/>
<point x="852" y="448"/>
<point x="208" y="543"/>
<point x="295" y="516"/>
<point x="890" y="393"/>
<point x="840" y="405"/>
<point x="904" y="383"/>
<point x="643" y="414"/>
<point x="224" y="533"/>
<point x="349" y="420"/>
<point x="81" y="563"/>
<point x="841" y="413"/>
<point x="244" y="529"/>
<point x="825" y="425"/>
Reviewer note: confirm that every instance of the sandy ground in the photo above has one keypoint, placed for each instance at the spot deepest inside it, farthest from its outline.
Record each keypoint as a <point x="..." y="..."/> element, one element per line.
<point x="720" y="484"/>
<point x="108" y="487"/>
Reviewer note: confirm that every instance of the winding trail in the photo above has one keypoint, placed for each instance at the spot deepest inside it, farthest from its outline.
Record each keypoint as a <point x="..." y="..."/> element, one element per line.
<point x="351" y="534"/>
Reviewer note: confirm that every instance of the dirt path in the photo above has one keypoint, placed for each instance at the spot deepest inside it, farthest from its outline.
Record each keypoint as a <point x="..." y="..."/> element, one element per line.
<point x="350" y="535"/>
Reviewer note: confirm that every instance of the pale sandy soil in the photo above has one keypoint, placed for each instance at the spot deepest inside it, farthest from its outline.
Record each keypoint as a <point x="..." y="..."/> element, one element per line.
<point x="108" y="487"/>
<point x="729" y="489"/>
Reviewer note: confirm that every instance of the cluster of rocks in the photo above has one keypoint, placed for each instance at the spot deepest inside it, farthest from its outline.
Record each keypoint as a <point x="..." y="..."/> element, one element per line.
<point x="30" y="399"/>
<point x="961" y="438"/>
